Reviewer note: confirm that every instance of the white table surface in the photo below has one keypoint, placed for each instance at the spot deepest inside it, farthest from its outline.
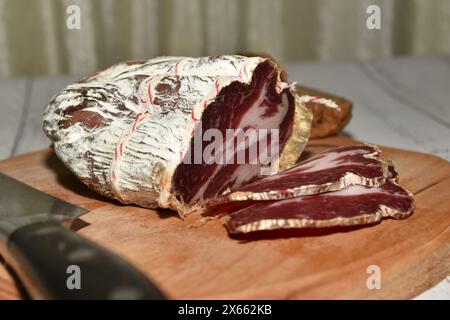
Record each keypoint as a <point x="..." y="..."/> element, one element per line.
<point x="402" y="102"/>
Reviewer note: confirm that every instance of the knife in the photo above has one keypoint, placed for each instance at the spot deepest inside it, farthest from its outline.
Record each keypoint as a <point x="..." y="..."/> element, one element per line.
<point x="54" y="262"/>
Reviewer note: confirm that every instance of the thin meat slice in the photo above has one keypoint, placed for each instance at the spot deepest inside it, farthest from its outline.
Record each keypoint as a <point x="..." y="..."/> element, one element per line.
<point x="331" y="170"/>
<point x="354" y="205"/>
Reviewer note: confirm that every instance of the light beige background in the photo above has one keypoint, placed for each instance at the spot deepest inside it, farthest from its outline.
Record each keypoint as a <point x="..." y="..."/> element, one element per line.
<point x="34" y="38"/>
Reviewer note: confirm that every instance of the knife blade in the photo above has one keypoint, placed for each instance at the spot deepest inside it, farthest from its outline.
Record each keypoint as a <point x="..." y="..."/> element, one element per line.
<point x="54" y="262"/>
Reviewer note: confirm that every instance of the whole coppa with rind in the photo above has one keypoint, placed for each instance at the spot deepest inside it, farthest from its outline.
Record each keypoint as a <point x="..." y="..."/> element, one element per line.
<point x="125" y="131"/>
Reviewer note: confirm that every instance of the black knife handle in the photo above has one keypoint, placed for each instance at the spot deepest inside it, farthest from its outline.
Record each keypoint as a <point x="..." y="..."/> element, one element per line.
<point x="56" y="263"/>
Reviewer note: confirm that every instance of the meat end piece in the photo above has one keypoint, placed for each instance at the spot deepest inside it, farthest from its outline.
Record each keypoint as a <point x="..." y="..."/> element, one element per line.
<point x="327" y="121"/>
<point x="354" y="205"/>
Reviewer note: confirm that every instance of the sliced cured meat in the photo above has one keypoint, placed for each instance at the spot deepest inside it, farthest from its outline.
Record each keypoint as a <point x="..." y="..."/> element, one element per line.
<point x="354" y="205"/>
<point x="141" y="132"/>
<point x="331" y="170"/>
<point x="126" y="131"/>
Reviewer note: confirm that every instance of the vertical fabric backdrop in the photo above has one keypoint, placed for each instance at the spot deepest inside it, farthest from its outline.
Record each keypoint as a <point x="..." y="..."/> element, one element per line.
<point x="34" y="38"/>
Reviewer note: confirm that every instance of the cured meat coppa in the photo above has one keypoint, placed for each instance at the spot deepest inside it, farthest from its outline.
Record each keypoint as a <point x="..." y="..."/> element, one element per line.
<point x="166" y="133"/>
<point x="128" y="131"/>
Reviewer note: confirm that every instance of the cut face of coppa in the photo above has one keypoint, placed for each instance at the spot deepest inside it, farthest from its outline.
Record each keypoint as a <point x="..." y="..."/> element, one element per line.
<point x="251" y="122"/>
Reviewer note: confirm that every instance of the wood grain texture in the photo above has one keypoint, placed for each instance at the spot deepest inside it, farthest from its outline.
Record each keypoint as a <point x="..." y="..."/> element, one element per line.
<point x="204" y="262"/>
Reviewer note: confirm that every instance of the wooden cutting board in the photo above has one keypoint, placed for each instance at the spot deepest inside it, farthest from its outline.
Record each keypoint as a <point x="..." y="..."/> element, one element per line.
<point x="203" y="262"/>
